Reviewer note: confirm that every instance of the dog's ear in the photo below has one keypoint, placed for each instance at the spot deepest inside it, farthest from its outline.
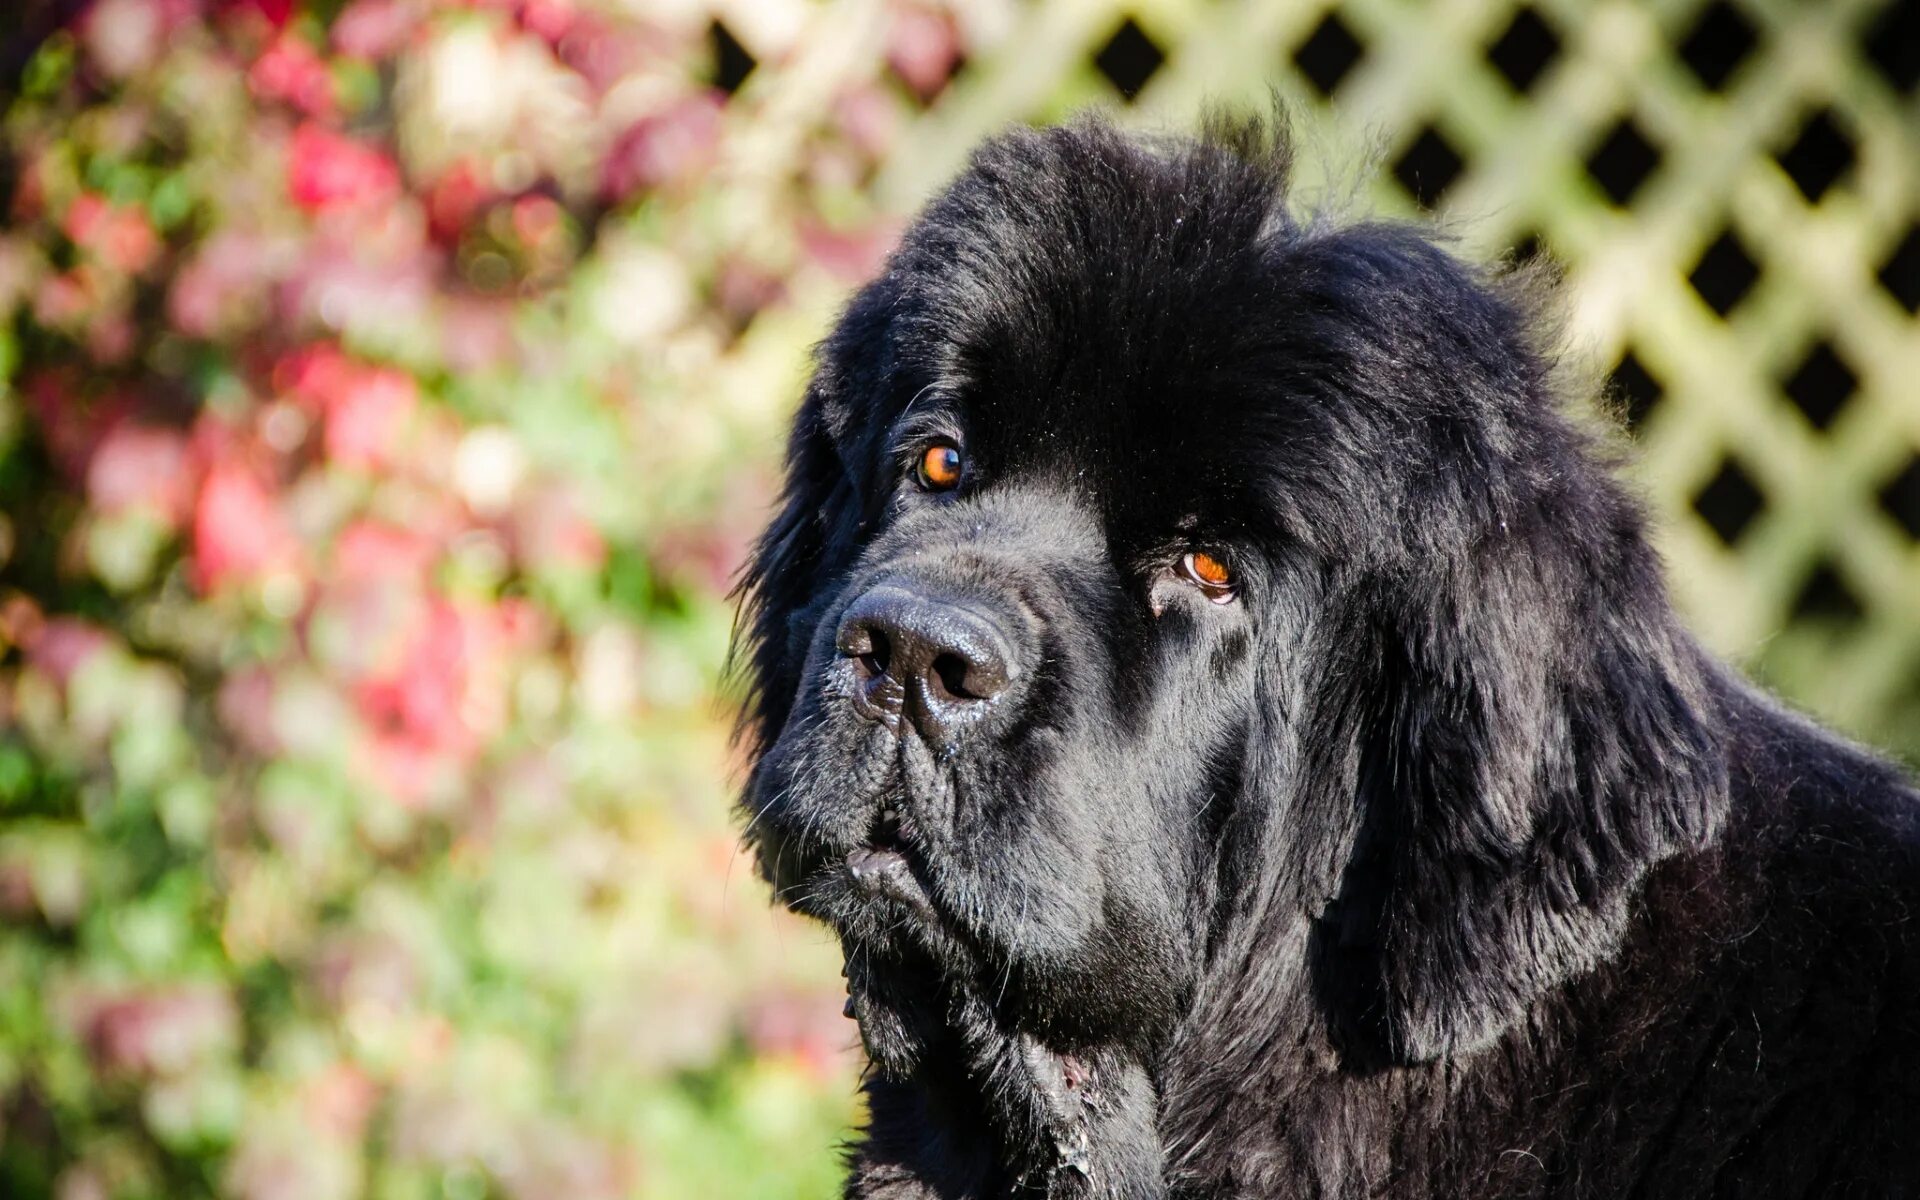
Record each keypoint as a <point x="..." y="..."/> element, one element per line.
<point x="1526" y="726"/>
<point x="1534" y="736"/>
<point x="815" y="532"/>
<point x="779" y="576"/>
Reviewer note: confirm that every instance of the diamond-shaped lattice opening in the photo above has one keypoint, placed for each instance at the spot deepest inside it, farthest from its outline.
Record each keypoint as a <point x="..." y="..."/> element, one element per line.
<point x="1825" y="596"/>
<point x="1893" y="44"/>
<point x="731" y="62"/>
<point x="1525" y="51"/>
<point x="1820" y="154"/>
<point x="1129" y="59"/>
<point x="1821" y="385"/>
<point x="1729" y="502"/>
<point x="1622" y="161"/>
<point x="1428" y="168"/>
<point x="1725" y="273"/>
<point x="1329" y="54"/>
<point x="1900" y="274"/>
<point x="1638" y="391"/>
<point x="1901" y="498"/>
<point x="1717" y="44"/>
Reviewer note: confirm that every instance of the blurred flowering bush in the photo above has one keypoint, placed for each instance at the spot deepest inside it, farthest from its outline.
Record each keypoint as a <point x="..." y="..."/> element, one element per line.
<point x="370" y="480"/>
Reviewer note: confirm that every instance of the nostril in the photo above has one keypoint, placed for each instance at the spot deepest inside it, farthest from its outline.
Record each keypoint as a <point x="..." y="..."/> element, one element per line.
<point x="878" y="655"/>
<point x="952" y="671"/>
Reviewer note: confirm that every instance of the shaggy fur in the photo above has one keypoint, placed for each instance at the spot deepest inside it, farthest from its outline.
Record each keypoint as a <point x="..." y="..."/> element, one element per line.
<point x="1438" y="862"/>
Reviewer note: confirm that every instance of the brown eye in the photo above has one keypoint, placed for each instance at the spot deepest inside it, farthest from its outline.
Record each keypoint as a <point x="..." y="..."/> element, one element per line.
<point x="940" y="467"/>
<point x="1208" y="574"/>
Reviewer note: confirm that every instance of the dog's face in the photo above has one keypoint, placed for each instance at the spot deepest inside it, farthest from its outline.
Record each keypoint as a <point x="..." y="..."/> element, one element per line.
<point x="1020" y="656"/>
<point x="1019" y="697"/>
<point x="1103" y="503"/>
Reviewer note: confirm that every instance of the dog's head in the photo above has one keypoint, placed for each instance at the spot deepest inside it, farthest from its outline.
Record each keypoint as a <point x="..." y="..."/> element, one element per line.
<point x="1154" y="566"/>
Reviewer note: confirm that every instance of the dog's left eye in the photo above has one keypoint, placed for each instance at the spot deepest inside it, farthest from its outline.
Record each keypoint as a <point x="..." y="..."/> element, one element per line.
<point x="1208" y="573"/>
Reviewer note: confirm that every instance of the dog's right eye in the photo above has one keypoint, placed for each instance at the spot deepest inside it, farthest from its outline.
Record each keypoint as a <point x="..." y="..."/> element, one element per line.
<point x="940" y="467"/>
<point x="1208" y="573"/>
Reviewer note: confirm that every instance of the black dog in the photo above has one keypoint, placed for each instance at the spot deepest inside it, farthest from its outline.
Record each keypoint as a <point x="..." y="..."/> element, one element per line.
<point x="1236" y="726"/>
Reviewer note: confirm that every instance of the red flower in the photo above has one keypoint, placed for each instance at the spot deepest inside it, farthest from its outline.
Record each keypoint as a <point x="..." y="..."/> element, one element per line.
<point x="460" y="192"/>
<point x="326" y="170"/>
<point x="276" y="12"/>
<point x="239" y="533"/>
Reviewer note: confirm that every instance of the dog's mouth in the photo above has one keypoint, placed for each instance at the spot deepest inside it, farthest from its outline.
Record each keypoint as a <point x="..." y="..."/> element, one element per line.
<point x="883" y="866"/>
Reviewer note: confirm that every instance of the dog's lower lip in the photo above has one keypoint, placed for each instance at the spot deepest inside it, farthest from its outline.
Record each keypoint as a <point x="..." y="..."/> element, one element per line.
<point x="880" y="867"/>
<point x="869" y="862"/>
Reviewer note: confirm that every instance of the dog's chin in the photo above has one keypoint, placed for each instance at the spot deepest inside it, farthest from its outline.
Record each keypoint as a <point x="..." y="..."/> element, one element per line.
<point x="877" y="893"/>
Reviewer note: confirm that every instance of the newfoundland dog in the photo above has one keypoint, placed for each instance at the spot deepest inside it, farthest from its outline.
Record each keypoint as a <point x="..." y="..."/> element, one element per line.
<point x="1233" y="720"/>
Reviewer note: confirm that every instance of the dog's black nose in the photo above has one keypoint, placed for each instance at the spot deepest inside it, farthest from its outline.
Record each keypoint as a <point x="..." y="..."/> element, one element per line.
<point x="936" y="660"/>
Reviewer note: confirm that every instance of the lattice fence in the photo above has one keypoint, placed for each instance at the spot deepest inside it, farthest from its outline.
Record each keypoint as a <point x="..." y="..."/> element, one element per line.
<point x="1732" y="185"/>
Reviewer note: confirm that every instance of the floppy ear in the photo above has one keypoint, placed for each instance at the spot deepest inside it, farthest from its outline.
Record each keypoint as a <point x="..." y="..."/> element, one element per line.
<point x="1533" y="738"/>
<point x="815" y="534"/>
<point x="811" y="539"/>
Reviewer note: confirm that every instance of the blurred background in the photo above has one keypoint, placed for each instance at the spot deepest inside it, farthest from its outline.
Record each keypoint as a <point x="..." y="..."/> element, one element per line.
<point x="389" y="390"/>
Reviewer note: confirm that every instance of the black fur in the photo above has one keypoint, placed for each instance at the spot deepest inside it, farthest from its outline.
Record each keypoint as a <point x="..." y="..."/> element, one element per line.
<point x="1441" y="862"/>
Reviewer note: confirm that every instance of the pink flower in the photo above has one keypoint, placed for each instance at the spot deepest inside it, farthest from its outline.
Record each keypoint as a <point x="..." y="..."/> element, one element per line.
<point x="245" y="705"/>
<point x="291" y="71"/>
<point x="62" y="301"/>
<point x="343" y="282"/>
<point x="239" y="533"/>
<point x="219" y="290"/>
<point x="537" y="220"/>
<point x="327" y="170"/>
<point x="340" y="1100"/>
<point x="366" y="409"/>
<point x="852" y="255"/>
<point x="139" y="467"/>
<point x="923" y="48"/>
<point x="366" y="419"/>
<point x="161" y="1031"/>
<point x="806" y="1028"/>
<point x="73" y="423"/>
<point x="551" y="533"/>
<point x="375" y="29"/>
<point x="420" y="701"/>
<point x="870" y="116"/>
<point x="119" y="235"/>
<point x="549" y="19"/>
<point x="126" y="36"/>
<point x="61" y="646"/>
<point x="668" y="146"/>
<point x="605" y="50"/>
<point x="742" y="288"/>
<point x="372" y="552"/>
